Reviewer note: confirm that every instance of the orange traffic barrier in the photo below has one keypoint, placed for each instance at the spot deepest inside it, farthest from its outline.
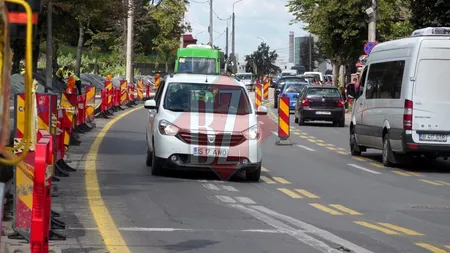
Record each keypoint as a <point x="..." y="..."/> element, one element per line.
<point x="266" y="88"/>
<point x="90" y="103"/>
<point x="283" y="121"/>
<point x="258" y="97"/>
<point x="140" y="90"/>
<point x="123" y="92"/>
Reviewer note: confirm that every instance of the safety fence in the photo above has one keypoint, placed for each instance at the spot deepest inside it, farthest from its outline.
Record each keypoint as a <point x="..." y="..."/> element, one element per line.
<point x="57" y="127"/>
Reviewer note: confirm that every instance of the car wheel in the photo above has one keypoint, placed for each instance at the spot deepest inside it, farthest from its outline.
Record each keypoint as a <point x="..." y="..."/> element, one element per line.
<point x="149" y="158"/>
<point x="388" y="155"/>
<point x="295" y="119"/>
<point x="355" y="149"/>
<point x="156" y="165"/>
<point x="255" y="175"/>
<point x="301" y="121"/>
<point x="341" y="123"/>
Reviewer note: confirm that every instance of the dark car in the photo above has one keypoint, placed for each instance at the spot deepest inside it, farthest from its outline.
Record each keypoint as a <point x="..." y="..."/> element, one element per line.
<point x="292" y="90"/>
<point x="282" y="82"/>
<point x="320" y="103"/>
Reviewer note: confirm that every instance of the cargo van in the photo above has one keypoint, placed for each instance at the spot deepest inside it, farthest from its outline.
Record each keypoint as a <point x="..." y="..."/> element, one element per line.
<point x="403" y="98"/>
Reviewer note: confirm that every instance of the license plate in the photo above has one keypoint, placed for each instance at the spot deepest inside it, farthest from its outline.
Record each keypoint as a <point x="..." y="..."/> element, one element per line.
<point x="323" y="113"/>
<point x="216" y="152"/>
<point x="433" y="137"/>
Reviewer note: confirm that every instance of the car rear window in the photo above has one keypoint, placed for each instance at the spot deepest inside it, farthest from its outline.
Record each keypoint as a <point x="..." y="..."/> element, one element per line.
<point x="323" y="92"/>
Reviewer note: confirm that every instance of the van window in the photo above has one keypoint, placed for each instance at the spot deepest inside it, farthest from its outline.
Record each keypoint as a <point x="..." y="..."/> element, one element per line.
<point x="432" y="80"/>
<point x="385" y="80"/>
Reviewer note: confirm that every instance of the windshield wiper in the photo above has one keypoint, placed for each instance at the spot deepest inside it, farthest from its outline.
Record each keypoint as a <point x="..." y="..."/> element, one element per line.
<point x="177" y="110"/>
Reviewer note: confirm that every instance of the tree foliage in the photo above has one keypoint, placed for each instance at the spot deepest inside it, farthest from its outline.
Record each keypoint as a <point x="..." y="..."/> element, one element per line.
<point x="427" y="13"/>
<point x="263" y="59"/>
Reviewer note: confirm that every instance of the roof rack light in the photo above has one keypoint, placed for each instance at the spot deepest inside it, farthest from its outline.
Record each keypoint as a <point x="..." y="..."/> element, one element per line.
<point x="199" y="46"/>
<point x="431" y="31"/>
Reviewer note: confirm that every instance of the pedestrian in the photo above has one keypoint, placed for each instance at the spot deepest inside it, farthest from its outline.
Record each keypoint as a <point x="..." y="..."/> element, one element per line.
<point x="77" y="81"/>
<point x="60" y="73"/>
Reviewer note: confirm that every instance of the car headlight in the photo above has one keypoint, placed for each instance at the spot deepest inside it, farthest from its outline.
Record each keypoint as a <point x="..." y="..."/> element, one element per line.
<point x="167" y="128"/>
<point x="253" y="133"/>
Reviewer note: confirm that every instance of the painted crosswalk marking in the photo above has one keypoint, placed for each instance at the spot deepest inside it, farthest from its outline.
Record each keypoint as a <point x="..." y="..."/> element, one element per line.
<point x="233" y="200"/>
<point x="298" y="193"/>
<point x="213" y="187"/>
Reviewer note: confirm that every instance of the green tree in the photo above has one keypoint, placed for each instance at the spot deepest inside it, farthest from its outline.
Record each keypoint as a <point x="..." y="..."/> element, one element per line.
<point x="427" y="13"/>
<point x="263" y="60"/>
<point x="168" y="14"/>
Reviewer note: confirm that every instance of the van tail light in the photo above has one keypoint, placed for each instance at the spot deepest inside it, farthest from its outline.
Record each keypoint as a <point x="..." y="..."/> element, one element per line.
<point x="340" y="103"/>
<point x="305" y="102"/>
<point x="408" y="115"/>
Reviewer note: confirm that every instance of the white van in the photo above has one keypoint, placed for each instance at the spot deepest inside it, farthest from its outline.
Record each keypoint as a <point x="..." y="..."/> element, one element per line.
<point x="317" y="75"/>
<point x="403" y="105"/>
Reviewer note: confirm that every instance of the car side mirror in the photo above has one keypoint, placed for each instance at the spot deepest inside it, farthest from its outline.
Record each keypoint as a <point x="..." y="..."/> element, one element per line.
<point x="262" y="110"/>
<point x="277" y="91"/>
<point x="150" y="104"/>
<point x="296" y="95"/>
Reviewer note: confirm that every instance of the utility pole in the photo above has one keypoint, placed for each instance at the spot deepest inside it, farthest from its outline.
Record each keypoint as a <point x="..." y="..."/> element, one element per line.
<point x="211" y="28"/>
<point x="233" y="34"/>
<point x="130" y="67"/>
<point x="49" y="58"/>
<point x="372" y="12"/>
<point x="311" y="45"/>
<point x="182" y="24"/>
<point x="226" y="42"/>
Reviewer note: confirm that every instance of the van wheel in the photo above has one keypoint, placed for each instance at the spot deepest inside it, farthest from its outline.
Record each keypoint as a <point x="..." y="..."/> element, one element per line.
<point x="388" y="156"/>
<point x="255" y="175"/>
<point x="355" y="149"/>
<point x="149" y="158"/>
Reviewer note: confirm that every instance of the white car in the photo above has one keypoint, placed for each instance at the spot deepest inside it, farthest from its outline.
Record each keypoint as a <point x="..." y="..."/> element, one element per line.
<point x="204" y="122"/>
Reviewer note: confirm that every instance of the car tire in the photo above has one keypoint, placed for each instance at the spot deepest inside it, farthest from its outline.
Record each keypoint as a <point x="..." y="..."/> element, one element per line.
<point x="149" y="158"/>
<point x="388" y="156"/>
<point x="301" y="121"/>
<point x="295" y="119"/>
<point x="355" y="149"/>
<point x="156" y="164"/>
<point x="341" y="123"/>
<point x="255" y="175"/>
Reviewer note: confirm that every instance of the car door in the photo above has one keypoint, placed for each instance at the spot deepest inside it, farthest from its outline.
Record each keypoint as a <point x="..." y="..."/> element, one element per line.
<point x="153" y="113"/>
<point x="358" y="107"/>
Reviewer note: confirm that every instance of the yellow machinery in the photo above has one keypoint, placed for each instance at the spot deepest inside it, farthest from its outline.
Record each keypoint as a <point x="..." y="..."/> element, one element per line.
<point x="25" y="18"/>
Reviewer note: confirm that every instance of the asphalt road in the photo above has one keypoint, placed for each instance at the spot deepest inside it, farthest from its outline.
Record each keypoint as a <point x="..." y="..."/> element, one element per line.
<point x="313" y="197"/>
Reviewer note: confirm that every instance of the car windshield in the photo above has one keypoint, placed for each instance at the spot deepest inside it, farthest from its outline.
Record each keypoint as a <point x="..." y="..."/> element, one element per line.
<point x="284" y="81"/>
<point x="323" y="92"/>
<point x="244" y="77"/>
<point x="312" y="77"/>
<point x="294" y="87"/>
<point x="197" y="65"/>
<point x="207" y="98"/>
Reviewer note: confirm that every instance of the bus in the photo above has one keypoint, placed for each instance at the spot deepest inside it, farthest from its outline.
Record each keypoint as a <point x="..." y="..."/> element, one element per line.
<point x="199" y="59"/>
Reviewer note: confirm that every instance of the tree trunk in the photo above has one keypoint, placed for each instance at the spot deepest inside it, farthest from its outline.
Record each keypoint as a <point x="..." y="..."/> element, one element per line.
<point x="167" y="67"/>
<point x="79" y="48"/>
<point x="335" y="73"/>
<point x="55" y="48"/>
<point x="341" y="75"/>
<point x="18" y="48"/>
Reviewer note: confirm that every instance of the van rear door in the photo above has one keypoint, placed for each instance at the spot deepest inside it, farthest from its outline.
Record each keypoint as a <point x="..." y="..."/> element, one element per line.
<point x="431" y="97"/>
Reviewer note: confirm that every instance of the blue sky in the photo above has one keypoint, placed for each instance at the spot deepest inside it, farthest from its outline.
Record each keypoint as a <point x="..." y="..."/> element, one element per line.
<point x="267" y="19"/>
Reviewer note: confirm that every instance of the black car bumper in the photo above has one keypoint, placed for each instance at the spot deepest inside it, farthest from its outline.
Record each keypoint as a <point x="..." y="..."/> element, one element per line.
<point x="412" y="147"/>
<point x="319" y="114"/>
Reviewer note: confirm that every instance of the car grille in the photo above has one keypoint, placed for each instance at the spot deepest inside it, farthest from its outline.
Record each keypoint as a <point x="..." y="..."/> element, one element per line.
<point x="222" y="140"/>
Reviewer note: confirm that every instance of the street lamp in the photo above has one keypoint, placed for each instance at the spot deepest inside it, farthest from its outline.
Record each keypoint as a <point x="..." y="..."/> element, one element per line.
<point x="233" y="39"/>
<point x="261" y="39"/>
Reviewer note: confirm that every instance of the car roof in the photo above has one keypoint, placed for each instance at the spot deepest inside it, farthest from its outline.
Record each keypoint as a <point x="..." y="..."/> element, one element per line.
<point x="201" y="78"/>
<point x="325" y="86"/>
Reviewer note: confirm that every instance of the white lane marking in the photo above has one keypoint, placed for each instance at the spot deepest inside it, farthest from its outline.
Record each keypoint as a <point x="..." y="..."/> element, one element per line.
<point x="304" y="147"/>
<point x="226" y="199"/>
<point x="297" y="234"/>
<point x="230" y="188"/>
<point x="202" y="181"/>
<point x="246" y="200"/>
<point x="210" y="181"/>
<point x="211" y="187"/>
<point x="275" y="133"/>
<point x="364" y="169"/>
<point x="310" y="229"/>
<point x="141" y="229"/>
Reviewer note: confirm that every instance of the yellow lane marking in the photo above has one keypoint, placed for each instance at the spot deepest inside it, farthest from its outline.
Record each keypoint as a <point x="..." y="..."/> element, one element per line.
<point x="346" y="210"/>
<point x="312" y="140"/>
<point x="447" y="246"/>
<point x="304" y="137"/>
<point x="321" y="144"/>
<point x="401" y="173"/>
<point x="342" y="153"/>
<point x="112" y="238"/>
<point x="414" y="174"/>
<point x="331" y="148"/>
<point x="378" y="165"/>
<point x="267" y="180"/>
<point x="361" y="159"/>
<point x="321" y="141"/>
<point x="325" y="209"/>
<point x="375" y="227"/>
<point x="431" y="248"/>
<point x="431" y="182"/>
<point x="290" y="193"/>
<point x="443" y="182"/>
<point x="307" y="194"/>
<point x="342" y="149"/>
<point x="400" y="229"/>
<point x="296" y="133"/>
<point x="330" y="145"/>
<point x="264" y="169"/>
<point x="281" y="180"/>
